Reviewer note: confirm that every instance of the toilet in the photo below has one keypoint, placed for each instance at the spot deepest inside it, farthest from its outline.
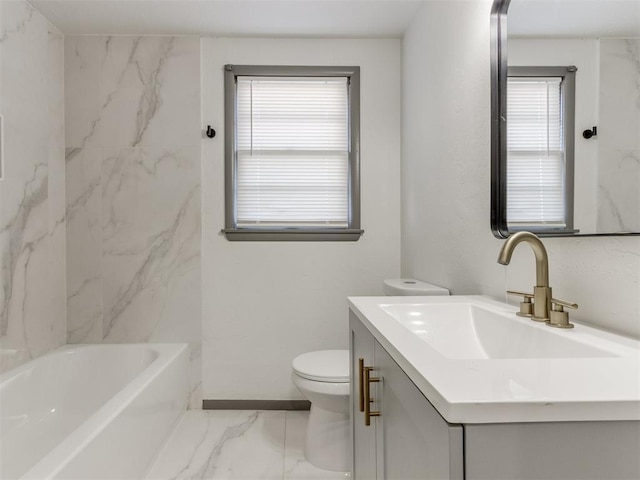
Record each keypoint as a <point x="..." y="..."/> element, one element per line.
<point x="402" y="287"/>
<point x="323" y="378"/>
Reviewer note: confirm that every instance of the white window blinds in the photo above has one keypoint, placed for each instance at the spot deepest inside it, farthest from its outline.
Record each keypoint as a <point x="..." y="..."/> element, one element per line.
<point x="535" y="152"/>
<point x="292" y="152"/>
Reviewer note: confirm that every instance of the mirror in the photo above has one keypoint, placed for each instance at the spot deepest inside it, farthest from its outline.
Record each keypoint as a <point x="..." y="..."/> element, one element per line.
<point x="577" y="180"/>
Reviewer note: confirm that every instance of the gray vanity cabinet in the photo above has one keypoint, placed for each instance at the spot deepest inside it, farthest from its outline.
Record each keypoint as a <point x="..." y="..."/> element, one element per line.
<point x="409" y="440"/>
<point x="364" y="437"/>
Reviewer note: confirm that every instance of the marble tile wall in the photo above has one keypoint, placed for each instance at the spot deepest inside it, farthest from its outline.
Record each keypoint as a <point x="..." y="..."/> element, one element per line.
<point x="619" y="136"/>
<point x="133" y="191"/>
<point x="32" y="192"/>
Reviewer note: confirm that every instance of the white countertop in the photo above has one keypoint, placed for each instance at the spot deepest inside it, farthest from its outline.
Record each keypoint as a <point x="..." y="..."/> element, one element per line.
<point x="508" y="390"/>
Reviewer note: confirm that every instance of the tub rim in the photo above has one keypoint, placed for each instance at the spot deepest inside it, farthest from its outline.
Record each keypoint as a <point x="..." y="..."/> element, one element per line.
<point x="58" y="457"/>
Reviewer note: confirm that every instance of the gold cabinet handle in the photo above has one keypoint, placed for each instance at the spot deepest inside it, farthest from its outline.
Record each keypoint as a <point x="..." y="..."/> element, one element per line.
<point x="368" y="379"/>
<point x="361" y="382"/>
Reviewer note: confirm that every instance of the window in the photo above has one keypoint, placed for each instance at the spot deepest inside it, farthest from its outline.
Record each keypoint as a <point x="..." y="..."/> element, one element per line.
<point x="540" y="135"/>
<point x="292" y="153"/>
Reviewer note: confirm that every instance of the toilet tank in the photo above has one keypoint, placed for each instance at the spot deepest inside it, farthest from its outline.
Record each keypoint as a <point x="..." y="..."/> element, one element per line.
<point x="411" y="286"/>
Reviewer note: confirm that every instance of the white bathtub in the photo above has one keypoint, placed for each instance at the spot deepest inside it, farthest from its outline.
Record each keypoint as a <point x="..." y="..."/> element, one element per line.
<point x="91" y="411"/>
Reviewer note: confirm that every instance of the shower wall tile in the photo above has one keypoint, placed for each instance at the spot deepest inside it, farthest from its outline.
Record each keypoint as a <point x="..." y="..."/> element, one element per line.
<point x="151" y="243"/>
<point x="82" y="77"/>
<point x="618" y="191"/>
<point x="619" y="136"/>
<point x="147" y="92"/>
<point x="56" y="188"/>
<point x="55" y="93"/>
<point x="32" y="317"/>
<point x="84" y="245"/>
<point x="133" y="198"/>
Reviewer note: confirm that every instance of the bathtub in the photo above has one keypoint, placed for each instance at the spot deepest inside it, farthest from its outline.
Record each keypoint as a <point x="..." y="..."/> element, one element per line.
<point x="91" y="411"/>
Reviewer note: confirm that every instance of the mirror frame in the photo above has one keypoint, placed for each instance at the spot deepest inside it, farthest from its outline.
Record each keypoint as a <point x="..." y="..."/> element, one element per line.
<point x="499" y="71"/>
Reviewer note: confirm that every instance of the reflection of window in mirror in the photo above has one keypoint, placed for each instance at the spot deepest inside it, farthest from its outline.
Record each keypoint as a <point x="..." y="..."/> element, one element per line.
<point x="540" y="150"/>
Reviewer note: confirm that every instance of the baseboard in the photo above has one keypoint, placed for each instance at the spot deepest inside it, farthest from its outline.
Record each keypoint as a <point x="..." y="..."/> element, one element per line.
<point x="256" y="404"/>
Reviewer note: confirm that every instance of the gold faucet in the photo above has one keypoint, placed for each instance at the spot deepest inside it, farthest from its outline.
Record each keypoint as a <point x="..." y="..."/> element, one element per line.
<point x="541" y="310"/>
<point x="542" y="291"/>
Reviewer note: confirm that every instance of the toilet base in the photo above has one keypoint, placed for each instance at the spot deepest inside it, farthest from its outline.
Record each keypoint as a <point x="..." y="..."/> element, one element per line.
<point x="328" y="443"/>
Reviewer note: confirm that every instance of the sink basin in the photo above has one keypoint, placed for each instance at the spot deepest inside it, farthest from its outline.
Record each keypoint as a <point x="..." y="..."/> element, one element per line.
<point x="477" y="362"/>
<point x="468" y="331"/>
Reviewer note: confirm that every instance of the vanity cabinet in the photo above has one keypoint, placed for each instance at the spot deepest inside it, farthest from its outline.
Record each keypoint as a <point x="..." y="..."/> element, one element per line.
<point x="409" y="440"/>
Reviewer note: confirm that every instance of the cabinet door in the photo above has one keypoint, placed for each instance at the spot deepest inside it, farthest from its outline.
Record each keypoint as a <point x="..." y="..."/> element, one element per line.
<point x="416" y="442"/>
<point x="553" y="450"/>
<point x="364" y="437"/>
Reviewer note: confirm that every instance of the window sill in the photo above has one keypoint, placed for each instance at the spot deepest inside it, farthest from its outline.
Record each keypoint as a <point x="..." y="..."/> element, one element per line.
<point x="292" y="235"/>
<point x="541" y="231"/>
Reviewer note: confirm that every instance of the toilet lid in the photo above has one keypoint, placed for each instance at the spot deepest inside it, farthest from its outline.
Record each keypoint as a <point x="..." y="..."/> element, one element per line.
<point x="323" y="366"/>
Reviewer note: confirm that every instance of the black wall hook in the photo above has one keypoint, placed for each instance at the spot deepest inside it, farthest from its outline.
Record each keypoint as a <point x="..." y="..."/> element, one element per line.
<point x="210" y="132"/>
<point x="590" y="133"/>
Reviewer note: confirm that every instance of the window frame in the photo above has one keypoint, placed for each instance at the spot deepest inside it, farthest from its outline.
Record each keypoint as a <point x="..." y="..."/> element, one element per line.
<point x="353" y="230"/>
<point x="568" y="103"/>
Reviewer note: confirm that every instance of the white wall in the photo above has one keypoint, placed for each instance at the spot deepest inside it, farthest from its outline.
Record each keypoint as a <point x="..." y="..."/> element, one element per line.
<point x="584" y="54"/>
<point x="266" y="302"/>
<point x="446" y="237"/>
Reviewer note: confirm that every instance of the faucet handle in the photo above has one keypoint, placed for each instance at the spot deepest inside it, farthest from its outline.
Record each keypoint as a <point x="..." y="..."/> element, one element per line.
<point x="526" y="307"/>
<point x="562" y="303"/>
<point x="522" y="294"/>
<point x="557" y="316"/>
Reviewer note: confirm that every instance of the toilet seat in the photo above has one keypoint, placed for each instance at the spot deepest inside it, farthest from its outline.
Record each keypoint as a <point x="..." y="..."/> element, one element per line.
<point x="330" y="366"/>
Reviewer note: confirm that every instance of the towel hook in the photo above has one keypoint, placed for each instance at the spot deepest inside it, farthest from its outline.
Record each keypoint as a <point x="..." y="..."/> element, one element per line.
<point x="590" y="133"/>
<point x="210" y="132"/>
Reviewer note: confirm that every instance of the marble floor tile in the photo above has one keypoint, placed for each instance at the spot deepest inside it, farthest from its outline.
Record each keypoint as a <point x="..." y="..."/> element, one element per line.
<point x="229" y="444"/>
